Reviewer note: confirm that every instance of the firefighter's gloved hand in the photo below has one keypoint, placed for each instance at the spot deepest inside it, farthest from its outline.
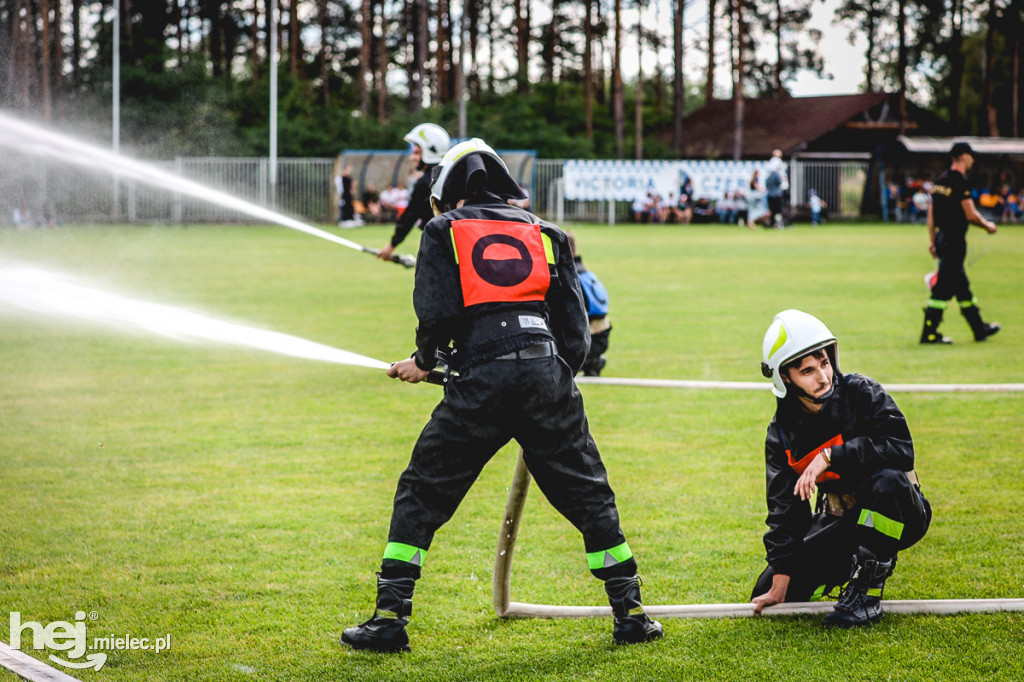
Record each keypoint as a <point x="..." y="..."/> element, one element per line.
<point x="406" y="370"/>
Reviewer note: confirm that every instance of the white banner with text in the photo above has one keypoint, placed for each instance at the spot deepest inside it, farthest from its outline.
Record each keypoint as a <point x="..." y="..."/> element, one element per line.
<point x="626" y="180"/>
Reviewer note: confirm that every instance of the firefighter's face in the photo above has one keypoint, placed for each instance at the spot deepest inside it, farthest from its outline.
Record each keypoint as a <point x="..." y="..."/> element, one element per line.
<point x="813" y="374"/>
<point x="416" y="154"/>
<point x="966" y="160"/>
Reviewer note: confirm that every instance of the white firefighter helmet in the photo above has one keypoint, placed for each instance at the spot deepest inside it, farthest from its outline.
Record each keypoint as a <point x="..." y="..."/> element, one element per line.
<point x="432" y="139"/>
<point x="499" y="180"/>
<point x="792" y="335"/>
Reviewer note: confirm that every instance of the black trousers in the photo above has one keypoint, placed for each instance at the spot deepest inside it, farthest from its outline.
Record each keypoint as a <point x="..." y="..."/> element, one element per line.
<point x="952" y="277"/>
<point x="535" y="402"/>
<point x="823" y="560"/>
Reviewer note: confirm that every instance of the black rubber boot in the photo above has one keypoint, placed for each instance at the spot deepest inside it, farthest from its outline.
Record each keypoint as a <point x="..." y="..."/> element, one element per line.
<point x="385" y="631"/>
<point x="930" y="331"/>
<point x="981" y="329"/>
<point x="632" y="625"/>
<point x="860" y="602"/>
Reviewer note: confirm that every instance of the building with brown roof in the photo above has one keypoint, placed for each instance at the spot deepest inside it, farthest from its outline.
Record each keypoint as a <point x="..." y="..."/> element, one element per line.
<point x="854" y="124"/>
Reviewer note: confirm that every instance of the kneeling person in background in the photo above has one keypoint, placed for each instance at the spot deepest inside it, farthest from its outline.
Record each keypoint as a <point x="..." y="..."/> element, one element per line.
<point x="596" y="298"/>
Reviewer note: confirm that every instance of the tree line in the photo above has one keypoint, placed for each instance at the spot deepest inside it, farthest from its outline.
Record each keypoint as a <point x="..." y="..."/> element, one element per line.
<point x="546" y="76"/>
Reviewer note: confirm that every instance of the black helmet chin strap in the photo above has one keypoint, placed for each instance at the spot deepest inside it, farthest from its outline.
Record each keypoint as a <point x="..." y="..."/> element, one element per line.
<point x="801" y="393"/>
<point x="824" y="399"/>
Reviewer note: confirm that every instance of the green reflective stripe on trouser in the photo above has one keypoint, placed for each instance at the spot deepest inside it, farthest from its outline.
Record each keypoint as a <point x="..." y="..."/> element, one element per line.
<point x="608" y="557"/>
<point x="819" y="593"/>
<point x="935" y="303"/>
<point x="883" y="524"/>
<point x="406" y="553"/>
<point x="969" y="304"/>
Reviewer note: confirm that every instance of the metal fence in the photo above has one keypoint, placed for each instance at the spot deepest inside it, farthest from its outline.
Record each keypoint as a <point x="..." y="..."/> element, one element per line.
<point x="304" y="188"/>
<point x="41" y="192"/>
<point x="839" y="182"/>
<point x="548" y="202"/>
<point x="52" y="193"/>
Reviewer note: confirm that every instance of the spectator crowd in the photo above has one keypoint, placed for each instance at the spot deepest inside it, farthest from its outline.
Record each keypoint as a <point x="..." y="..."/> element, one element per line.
<point x="761" y="202"/>
<point x="908" y="201"/>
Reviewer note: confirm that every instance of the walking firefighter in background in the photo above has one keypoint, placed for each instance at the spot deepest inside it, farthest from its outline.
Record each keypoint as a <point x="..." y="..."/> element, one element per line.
<point x="501" y="285"/>
<point x="843" y="435"/>
<point x="950" y="214"/>
<point x="428" y="144"/>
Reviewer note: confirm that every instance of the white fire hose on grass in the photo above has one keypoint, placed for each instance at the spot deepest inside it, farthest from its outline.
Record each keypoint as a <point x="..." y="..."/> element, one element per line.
<point x="506" y="608"/>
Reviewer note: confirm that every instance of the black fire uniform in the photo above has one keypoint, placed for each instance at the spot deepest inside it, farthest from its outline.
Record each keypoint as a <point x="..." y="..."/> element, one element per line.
<point x="948" y="227"/>
<point x="500" y="285"/>
<point x="868" y="497"/>
<point x="418" y="213"/>
<point x="951" y="188"/>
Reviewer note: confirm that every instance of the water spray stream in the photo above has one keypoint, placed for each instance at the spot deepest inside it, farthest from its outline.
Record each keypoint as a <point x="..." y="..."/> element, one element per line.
<point x="35" y="140"/>
<point x="32" y="290"/>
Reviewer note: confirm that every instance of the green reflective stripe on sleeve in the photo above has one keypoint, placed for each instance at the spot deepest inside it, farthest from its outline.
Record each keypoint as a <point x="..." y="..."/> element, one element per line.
<point x="549" y="251"/>
<point x="406" y="553"/>
<point x="934" y="303"/>
<point x="819" y="593"/>
<point x="455" y="249"/>
<point x="874" y="591"/>
<point x="608" y="557"/>
<point x="883" y="524"/>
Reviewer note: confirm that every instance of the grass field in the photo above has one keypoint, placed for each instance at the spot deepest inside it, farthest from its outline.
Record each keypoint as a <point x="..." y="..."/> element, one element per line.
<point x="238" y="500"/>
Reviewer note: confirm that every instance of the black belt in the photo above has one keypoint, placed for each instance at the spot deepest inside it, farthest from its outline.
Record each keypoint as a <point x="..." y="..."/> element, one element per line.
<point x="540" y="350"/>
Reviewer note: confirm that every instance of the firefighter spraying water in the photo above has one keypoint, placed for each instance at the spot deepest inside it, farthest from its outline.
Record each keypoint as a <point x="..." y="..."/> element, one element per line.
<point x="500" y="285"/>
<point x="428" y="143"/>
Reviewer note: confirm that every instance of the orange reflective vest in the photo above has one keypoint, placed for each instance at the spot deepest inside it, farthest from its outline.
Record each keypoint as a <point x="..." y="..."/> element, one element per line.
<point x="501" y="261"/>
<point x="800" y="464"/>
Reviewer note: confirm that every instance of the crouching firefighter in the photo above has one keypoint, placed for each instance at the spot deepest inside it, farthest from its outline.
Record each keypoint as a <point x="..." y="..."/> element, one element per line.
<point x="844" y="436"/>
<point x="499" y="284"/>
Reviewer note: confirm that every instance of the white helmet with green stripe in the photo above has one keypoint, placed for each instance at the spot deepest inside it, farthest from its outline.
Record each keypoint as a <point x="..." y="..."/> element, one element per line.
<point x="431" y="139"/>
<point x="792" y="335"/>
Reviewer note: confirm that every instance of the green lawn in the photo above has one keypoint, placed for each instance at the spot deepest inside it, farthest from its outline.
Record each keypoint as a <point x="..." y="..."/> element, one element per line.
<point x="238" y="500"/>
